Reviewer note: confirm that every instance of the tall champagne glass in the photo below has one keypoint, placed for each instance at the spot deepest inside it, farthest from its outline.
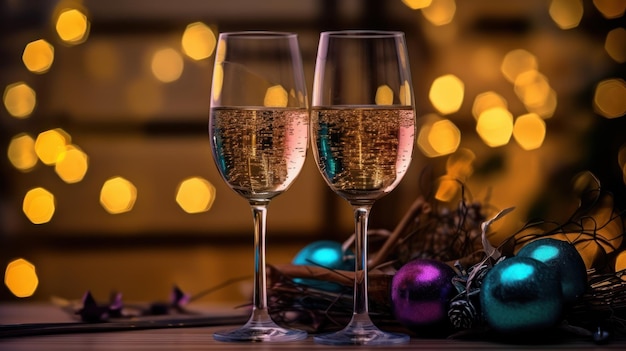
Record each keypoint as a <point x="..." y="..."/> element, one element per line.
<point x="362" y="132"/>
<point x="258" y="128"/>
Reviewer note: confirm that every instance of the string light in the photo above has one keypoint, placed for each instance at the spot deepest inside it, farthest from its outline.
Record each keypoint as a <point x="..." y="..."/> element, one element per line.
<point x="21" y="278"/>
<point x="198" y="41"/>
<point x="39" y="205"/>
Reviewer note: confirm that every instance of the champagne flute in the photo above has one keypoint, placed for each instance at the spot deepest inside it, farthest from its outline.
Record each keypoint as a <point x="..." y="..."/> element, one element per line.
<point x="362" y="132"/>
<point x="258" y="128"/>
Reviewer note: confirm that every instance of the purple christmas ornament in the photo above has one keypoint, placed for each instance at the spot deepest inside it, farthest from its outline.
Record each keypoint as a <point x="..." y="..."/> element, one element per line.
<point x="420" y="294"/>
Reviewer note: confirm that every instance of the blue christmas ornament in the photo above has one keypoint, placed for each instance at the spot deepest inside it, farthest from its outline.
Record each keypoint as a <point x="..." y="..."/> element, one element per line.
<point x="324" y="253"/>
<point x="420" y="295"/>
<point x="521" y="294"/>
<point x="563" y="257"/>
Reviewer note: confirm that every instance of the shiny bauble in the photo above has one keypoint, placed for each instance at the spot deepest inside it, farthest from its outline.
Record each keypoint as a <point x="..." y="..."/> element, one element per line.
<point x="324" y="253"/>
<point x="421" y="291"/>
<point x="521" y="294"/>
<point x="563" y="257"/>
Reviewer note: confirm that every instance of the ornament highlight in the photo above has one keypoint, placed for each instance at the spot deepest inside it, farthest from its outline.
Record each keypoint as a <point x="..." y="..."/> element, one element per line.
<point x="420" y="294"/>
<point x="521" y="294"/>
<point x="563" y="257"/>
<point x="324" y="253"/>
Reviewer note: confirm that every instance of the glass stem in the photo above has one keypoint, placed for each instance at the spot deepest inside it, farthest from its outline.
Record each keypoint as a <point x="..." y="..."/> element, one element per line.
<point x="361" y="306"/>
<point x="259" y="213"/>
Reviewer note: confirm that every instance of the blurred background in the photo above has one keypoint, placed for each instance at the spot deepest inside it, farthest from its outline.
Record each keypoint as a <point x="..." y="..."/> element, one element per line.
<point x="107" y="179"/>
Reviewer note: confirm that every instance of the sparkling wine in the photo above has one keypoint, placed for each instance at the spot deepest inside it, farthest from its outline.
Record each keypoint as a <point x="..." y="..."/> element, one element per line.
<point x="259" y="151"/>
<point x="363" y="152"/>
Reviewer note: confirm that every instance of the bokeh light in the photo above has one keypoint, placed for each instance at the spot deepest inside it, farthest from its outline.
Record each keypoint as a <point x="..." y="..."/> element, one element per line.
<point x="72" y="26"/>
<point x="532" y="88"/>
<point x="21" y="278"/>
<point x="611" y="8"/>
<point x="423" y="140"/>
<point x="487" y="100"/>
<point x="118" y="195"/>
<point x="417" y="4"/>
<point x="50" y="144"/>
<point x="615" y="44"/>
<point x="460" y="165"/>
<point x="21" y="152"/>
<point x="440" y="12"/>
<point x="444" y="137"/>
<point x="38" y="56"/>
<point x="516" y="62"/>
<point x="529" y="131"/>
<point x="495" y="126"/>
<point x="384" y="95"/>
<point x="167" y="65"/>
<point x="566" y="13"/>
<point x="610" y="98"/>
<point x="446" y="94"/>
<point x="71" y="165"/>
<point x="195" y="195"/>
<point x="198" y="41"/>
<point x="276" y="96"/>
<point x="39" y="205"/>
<point x="19" y="99"/>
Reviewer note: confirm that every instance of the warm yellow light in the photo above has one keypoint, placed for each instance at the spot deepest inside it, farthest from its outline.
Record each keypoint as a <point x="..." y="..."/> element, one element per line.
<point x="516" y="62"/>
<point x="532" y="88"/>
<point x="446" y="94"/>
<point x="440" y="12"/>
<point x="447" y="189"/>
<point x="19" y="100"/>
<point x="118" y="195"/>
<point x="460" y="165"/>
<point x="167" y="65"/>
<point x="615" y="44"/>
<point x="198" y="41"/>
<point x="20" y="277"/>
<point x="610" y="98"/>
<point x="50" y="144"/>
<point x="195" y="195"/>
<point x="495" y="126"/>
<point x="444" y="137"/>
<point x="276" y="96"/>
<point x="547" y="108"/>
<point x="21" y="152"/>
<point x="38" y="56"/>
<point x="487" y="100"/>
<point x="529" y="131"/>
<point x="423" y="135"/>
<point x="611" y="8"/>
<point x="72" y="26"/>
<point x="384" y="95"/>
<point x="38" y="205"/>
<point x="71" y="164"/>
<point x="566" y="13"/>
<point x="417" y="4"/>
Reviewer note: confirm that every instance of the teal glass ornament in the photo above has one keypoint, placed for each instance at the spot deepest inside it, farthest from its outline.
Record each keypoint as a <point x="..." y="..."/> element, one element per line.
<point x="563" y="257"/>
<point x="324" y="253"/>
<point x="521" y="294"/>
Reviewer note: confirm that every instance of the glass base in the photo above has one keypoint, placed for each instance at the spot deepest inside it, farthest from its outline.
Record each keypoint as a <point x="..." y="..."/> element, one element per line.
<point x="361" y="335"/>
<point x="260" y="331"/>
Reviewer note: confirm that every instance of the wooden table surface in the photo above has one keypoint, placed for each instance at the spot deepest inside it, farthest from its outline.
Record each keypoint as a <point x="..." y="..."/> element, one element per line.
<point x="200" y="338"/>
